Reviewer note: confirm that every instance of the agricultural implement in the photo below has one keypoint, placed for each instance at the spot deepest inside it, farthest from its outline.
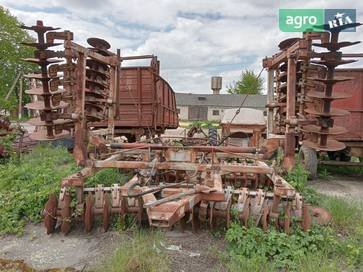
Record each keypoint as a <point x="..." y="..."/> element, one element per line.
<point x="81" y="94"/>
<point x="173" y="184"/>
<point x="301" y="93"/>
<point x="4" y="131"/>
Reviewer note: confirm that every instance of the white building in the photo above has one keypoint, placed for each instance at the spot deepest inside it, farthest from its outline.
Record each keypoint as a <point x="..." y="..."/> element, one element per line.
<point x="211" y="106"/>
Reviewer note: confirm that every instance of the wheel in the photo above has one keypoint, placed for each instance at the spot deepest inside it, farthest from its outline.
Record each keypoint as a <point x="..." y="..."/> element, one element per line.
<point x="345" y="155"/>
<point x="342" y="155"/>
<point x="212" y="136"/>
<point x="50" y="213"/>
<point x="309" y="159"/>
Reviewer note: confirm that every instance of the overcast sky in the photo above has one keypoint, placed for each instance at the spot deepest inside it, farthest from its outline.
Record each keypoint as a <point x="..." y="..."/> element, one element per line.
<point x="193" y="39"/>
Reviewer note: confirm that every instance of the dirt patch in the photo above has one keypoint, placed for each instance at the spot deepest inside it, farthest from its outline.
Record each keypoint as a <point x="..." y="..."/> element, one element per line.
<point x="187" y="251"/>
<point x="194" y="251"/>
<point x="42" y="251"/>
<point x="340" y="186"/>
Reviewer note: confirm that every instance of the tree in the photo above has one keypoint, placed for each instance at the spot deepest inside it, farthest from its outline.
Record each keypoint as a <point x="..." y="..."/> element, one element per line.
<point x="11" y="53"/>
<point x="250" y="83"/>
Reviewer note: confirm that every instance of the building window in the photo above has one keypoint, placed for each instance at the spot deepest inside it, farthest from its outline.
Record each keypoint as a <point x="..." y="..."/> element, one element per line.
<point x="178" y="110"/>
<point x="215" y="112"/>
<point x="202" y="98"/>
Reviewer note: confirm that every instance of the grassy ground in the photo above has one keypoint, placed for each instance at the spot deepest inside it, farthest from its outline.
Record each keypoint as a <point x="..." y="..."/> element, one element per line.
<point x="329" y="170"/>
<point x="336" y="247"/>
<point x="26" y="184"/>
<point x="143" y="253"/>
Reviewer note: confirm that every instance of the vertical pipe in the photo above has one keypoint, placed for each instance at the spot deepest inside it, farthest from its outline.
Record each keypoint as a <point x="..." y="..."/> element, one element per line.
<point x="270" y="99"/>
<point x="117" y="97"/>
<point x="289" y="158"/>
<point x="80" y="127"/>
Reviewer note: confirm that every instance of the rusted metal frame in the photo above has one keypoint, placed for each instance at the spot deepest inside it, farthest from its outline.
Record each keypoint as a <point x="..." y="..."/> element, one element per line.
<point x="173" y="197"/>
<point x="218" y="154"/>
<point x="79" y="151"/>
<point x="181" y="166"/>
<point x="139" y="96"/>
<point x="63" y="35"/>
<point x="77" y="179"/>
<point x="281" y="186"/>
<point x="169" y="211"/>
<point x="253" y="193"/>
<point x="137" y="57"/>
<point x="118" y="74"/>
<point x="109" y="60"/>
<point x="154" y="100"/>
<point x="196" y="148"/>
<point x="45" y="85"/>
<point x="290" y="141"/>
<point x="275" y="60"/>
<point x="270" y="99"/>
<point x="111" y="106"/>
<point x="168" y="214"/>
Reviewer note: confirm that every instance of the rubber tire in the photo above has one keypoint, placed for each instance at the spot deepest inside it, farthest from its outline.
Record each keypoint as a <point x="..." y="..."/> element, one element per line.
<point x="212" y="136"/>
<point x="308" y="157"/>
<point x="342" y="155"/>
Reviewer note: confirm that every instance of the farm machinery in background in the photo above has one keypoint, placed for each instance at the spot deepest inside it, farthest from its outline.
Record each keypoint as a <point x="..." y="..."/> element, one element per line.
<point x="303" y="88"/>
<point x="84" y="92"/>
<point x="4" y="131"/>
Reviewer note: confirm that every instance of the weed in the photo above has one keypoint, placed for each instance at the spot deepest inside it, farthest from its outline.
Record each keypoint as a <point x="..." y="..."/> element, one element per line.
<point x="324" y="174"/>
<point x="143" y="254"/>
<point x="107" y="177"/>
<point x="341" y="170"/>
<point x="25" y="185"/>
<point x="7" y="142"/>
<point x="298" y="178"/>
<point x="347" y="217"/>
<point x="282" y="250"/>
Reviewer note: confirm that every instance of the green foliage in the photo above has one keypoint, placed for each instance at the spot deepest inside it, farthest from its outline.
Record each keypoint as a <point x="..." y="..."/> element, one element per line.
<point x="107" y="177"/>
<point x="324" y="174"/>
<point x="347" y="216"/>
<point x="282" y="250"/>
<point x="249" y="83"/>
<point x="298" y="178"/>
<point x="204" y="124"/>
<point x="25" y="185"/>
<point x="341" y="170"/>
<point x="337" y="247"/>
<point x="7" y="142"/>
<point x="143" y="253"/>
<point x="11" y="52"/>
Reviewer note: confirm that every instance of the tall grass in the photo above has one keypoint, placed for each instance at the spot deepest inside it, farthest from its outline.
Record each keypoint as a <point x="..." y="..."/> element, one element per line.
<point x="25" y="185"/>
<point x="143" y="253"/>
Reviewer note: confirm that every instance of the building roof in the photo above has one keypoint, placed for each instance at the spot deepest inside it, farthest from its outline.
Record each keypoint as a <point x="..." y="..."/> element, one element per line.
<point x="221" y="100"/>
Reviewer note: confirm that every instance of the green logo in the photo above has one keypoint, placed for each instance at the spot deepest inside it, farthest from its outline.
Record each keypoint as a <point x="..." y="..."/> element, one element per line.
<point x="300" y="20"/>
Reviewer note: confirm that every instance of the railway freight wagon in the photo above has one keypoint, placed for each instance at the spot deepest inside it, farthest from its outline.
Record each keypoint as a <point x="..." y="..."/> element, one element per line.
<point x="145" y="103"/>
<point x="353" y="122"/>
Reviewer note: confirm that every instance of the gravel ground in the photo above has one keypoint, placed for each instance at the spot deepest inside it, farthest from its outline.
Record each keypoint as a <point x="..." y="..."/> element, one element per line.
<point x="340" y="186"/>
<point x="42" y="251"/>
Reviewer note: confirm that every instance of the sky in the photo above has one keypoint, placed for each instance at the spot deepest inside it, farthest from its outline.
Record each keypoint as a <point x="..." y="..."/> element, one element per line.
<point x="193" y="39"/>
